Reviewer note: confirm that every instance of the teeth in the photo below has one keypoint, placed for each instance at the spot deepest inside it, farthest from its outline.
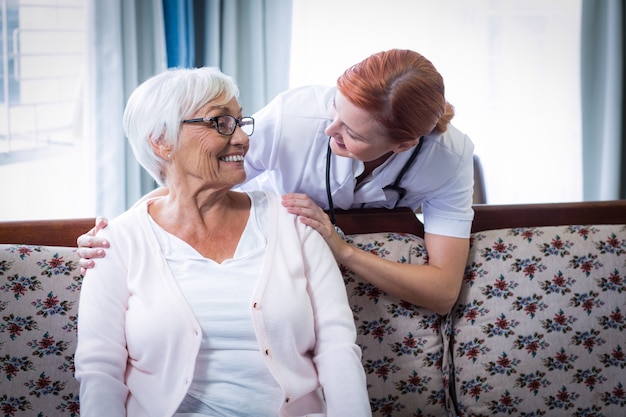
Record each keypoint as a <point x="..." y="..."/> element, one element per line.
<point x="232" y="158"/>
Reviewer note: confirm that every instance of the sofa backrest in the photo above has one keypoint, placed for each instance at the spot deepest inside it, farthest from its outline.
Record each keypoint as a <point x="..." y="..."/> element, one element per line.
<point x="39" y="290"/>
<point x="416" y="362"/>
<point x="539" y="328"/>
<point x="402" y="344"/>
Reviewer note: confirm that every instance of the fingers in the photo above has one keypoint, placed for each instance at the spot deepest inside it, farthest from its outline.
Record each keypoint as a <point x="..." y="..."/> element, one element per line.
<point x="87" y="256"/>
<point x="304" y="209"/>
<point x="88" y="241"/>
<point x="301" y="204"/>
<point x="90" y="253"/>
<point x="312" y="215"/>
<point x="85" y="264"/>
<point x="101" y="223"/>
<point x="295" y="196"/>
<point x="309" y="212"/>
<point x="90" y="246"/>
<point x="299" y="201"/>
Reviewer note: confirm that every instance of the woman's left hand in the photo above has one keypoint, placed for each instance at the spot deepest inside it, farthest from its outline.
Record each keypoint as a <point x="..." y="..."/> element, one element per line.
<point x="310" y="213"/>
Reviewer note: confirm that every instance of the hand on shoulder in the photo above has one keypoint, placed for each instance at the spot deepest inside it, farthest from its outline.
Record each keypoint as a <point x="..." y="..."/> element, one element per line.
<point x="91" y="247"/>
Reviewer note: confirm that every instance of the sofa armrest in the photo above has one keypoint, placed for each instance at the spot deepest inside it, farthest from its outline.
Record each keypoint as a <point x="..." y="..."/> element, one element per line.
<point x="358" y="221"/>
<point x="377" y="220"/>
<point x="493" y="216"/>
<point x="488" y="217"/>
<point x="62" y="232"/>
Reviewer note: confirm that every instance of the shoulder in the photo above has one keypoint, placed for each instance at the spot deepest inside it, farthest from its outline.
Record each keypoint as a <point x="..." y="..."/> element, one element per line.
<point x="132" y="215"/>
<point x="269" y="200"/>
<point x="267" y="204"/>
<point x="123" y="227"/>
<point x="456" y="140"/>
<point x="452" y="141"/>
<point x="444" y="170"/>
<point x="278" y="216"/>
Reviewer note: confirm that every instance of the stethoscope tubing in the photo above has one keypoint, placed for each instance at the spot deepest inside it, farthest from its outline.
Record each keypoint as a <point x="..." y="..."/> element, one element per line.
<point x="395" y="186"/>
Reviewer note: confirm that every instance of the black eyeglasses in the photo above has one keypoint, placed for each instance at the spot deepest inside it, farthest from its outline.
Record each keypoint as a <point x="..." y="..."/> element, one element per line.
<point x="227" y="124"/>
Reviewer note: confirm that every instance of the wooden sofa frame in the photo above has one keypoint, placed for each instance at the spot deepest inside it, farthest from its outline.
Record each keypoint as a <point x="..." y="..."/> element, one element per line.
<point x="64" y="232"/>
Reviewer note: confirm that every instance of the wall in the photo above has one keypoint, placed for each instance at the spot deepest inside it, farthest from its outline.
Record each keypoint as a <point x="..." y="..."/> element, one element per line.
<point x="511" y="70"/>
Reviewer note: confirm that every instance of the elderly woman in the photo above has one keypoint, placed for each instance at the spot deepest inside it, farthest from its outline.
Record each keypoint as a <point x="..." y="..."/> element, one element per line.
<point x="210" y="301"/>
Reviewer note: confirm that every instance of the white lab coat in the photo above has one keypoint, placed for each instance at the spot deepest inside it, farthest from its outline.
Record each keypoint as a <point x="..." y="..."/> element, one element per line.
<point x="288" y="154"/>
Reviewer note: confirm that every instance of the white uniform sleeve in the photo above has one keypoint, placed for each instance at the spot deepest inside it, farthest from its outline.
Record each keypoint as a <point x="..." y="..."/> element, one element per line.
<point x="450" y="212"/>
<point x="268" y="125"/>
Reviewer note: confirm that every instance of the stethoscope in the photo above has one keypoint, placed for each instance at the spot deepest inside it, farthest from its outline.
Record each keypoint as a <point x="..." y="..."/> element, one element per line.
<point x="395" y="186"/>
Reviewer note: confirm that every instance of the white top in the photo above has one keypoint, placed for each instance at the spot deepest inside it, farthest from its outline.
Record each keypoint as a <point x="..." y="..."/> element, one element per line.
<point x="288" y="154"/>
<point x="138" y="338"/>
<point x="231" y="377"/>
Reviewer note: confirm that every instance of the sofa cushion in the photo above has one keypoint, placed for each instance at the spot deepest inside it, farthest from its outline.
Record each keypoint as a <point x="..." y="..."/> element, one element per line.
<point x="39" y="290"/>
<point x="402" y="343"/>
<point x="538" y="329"/>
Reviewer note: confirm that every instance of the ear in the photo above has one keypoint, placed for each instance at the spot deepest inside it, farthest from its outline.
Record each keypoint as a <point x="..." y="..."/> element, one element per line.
<point x="403" y="146"/>
<point x="160" y="148"/>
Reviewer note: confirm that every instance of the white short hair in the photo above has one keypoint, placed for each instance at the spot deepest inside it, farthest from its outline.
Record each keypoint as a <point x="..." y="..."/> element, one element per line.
<point x="155" y="109"/>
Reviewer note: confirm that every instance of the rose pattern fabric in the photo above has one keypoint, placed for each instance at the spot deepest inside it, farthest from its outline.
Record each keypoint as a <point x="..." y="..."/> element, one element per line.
<point x="39" y="290"/>
<point x="402" y="344"/>
<point x="538" y="329"/>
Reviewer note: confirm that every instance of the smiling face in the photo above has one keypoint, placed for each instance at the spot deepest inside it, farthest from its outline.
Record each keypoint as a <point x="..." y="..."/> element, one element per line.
<point x="355" y="134"/>
<point x="206" y="157"/>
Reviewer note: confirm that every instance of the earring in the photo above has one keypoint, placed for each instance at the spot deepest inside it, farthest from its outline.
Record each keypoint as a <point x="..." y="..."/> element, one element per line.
<point x="169" y="156"/>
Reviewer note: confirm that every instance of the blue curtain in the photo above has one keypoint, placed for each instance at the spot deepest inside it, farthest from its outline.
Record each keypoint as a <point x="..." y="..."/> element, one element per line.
<point x="127" y="47"/>
<point x="179" y="33"/>
<point x="602" y="95"/>
<point x="131" y="40"/>
<point x="249" y="40"/>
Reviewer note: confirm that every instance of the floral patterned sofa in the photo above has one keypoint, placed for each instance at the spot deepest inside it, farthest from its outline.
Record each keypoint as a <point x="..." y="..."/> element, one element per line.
<point x="538" y="329"/>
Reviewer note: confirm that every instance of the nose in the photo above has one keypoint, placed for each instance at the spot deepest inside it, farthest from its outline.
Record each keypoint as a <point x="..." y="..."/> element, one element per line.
<point x="239" y="137"/>
<point x="333" y="129"/>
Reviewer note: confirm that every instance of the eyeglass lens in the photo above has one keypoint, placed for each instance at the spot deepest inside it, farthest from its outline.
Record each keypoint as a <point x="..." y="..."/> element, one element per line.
<point x="226" y="125"/>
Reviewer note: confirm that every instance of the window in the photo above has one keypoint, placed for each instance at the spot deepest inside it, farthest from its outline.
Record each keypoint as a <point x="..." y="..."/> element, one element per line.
<point x="511" y="70"/>
<point x="42" y="55"/>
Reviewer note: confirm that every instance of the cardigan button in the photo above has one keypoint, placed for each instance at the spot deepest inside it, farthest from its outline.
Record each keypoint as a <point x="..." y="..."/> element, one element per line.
<point x="267" y="352"/>
<point x="256" y="305"/>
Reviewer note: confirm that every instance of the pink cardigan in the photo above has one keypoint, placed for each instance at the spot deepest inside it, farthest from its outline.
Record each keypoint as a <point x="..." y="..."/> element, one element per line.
<point x="138" y="339"/>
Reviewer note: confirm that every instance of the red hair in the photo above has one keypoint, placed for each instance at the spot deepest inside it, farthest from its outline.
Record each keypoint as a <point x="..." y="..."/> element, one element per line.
<point x="402" y="90"/>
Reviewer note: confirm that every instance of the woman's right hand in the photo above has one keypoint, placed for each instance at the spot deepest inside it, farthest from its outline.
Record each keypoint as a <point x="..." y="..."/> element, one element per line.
<point x="90" y="246"/>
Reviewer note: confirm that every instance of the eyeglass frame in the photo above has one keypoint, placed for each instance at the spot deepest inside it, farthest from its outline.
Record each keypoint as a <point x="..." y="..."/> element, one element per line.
<point x="215" y="121"/>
